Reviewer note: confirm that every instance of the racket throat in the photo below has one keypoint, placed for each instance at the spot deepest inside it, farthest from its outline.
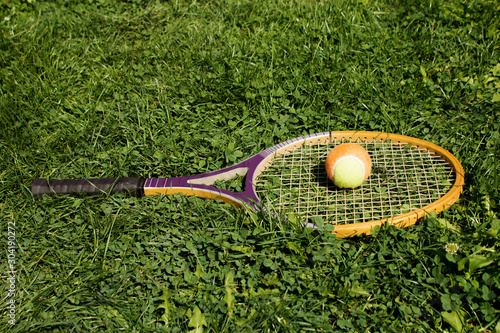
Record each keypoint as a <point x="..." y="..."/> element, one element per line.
<point x="208" y="179"/>
<point x="231" y="185"/>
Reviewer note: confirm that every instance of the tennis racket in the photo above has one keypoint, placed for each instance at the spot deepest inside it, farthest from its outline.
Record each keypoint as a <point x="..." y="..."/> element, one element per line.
<point x="410" y="178"/>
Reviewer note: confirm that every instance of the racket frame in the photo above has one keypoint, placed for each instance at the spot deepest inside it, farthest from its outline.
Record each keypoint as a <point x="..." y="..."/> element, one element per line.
<point x="201" y="185"/>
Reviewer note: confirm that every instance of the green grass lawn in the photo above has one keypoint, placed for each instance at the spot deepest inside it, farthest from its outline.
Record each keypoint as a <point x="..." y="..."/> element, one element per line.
<point x="102" y="88"/>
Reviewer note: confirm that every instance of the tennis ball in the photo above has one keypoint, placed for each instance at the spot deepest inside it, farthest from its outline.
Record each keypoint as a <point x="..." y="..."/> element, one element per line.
<point x="348" y="165"/>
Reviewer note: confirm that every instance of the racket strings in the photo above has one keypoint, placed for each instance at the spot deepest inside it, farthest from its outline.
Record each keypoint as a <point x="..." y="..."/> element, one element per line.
<point x="403" y="179"/>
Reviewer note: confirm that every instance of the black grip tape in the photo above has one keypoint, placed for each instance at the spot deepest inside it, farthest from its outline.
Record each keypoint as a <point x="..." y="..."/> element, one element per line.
<point x="92" y="186"/>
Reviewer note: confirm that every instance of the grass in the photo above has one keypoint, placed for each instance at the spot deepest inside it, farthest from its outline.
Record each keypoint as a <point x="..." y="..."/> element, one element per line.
<point x="159" y="89"/>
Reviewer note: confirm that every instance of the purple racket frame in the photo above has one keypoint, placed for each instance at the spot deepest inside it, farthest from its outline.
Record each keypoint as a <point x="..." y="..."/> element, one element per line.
<point x="198" y="185"/>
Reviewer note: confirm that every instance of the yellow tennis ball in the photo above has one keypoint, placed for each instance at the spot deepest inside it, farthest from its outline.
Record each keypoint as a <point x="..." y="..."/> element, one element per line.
<point x="348" y="165"/>
<point x="349" y="173"/>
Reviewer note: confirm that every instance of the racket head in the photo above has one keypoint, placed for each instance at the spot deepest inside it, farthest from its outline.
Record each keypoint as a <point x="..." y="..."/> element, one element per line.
<point x="411" y="178"/>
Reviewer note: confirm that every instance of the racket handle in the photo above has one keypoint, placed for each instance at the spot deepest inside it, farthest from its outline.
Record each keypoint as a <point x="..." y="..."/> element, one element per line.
<point x="92" y="186"/>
